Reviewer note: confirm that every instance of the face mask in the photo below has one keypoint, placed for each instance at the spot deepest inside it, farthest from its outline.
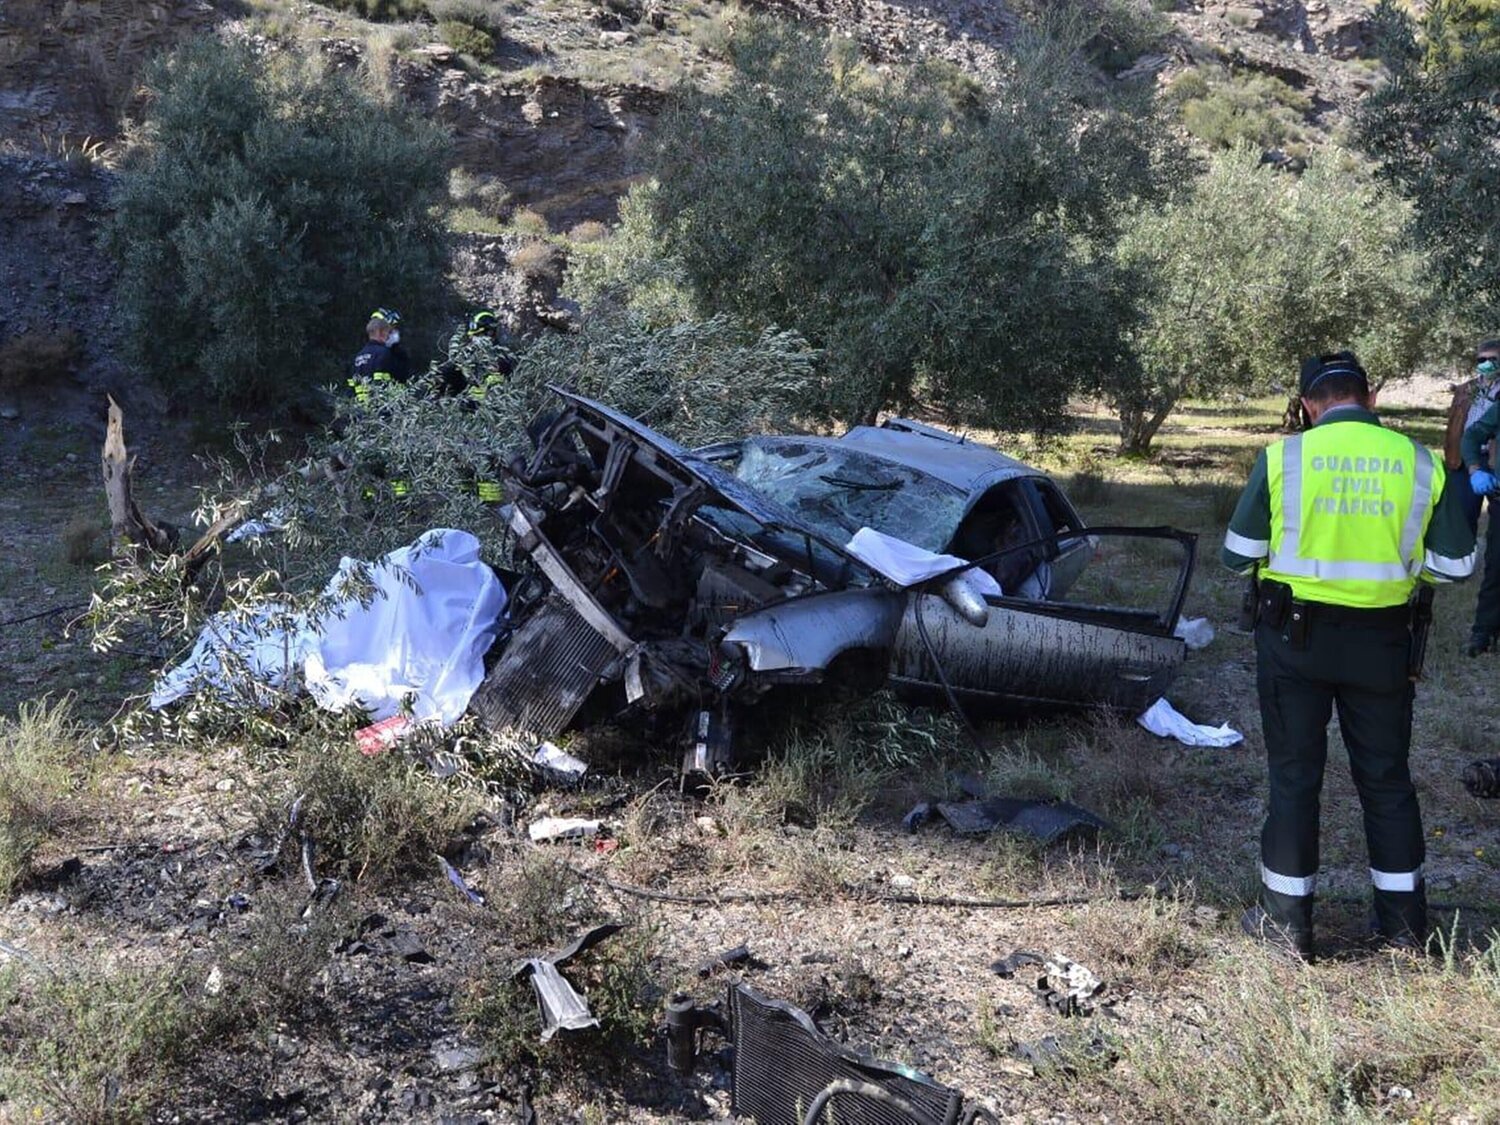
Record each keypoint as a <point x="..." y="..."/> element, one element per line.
<point x="393" y="339"/>
<point x="1487" y="369"/>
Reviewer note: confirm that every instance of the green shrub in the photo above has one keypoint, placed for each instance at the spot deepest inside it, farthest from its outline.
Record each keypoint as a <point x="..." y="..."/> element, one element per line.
<point x="486" y="15"/>
<point x="1256" y="109"/>
<point x="367" y="816"/>
<point x="39" y="771"/>
<point x="90" y="1045"/>
<point x="482" y="192"/>
<point x="466" y="39"/>
<point x="268" y="204"/>
<point x="381" y="11"/>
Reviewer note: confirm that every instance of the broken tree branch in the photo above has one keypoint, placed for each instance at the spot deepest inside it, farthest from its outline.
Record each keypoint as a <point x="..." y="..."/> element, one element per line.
<point x="128" y="526"/>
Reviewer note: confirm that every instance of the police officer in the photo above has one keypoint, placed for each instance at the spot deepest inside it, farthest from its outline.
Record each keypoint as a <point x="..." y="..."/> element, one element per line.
<point x="382" y="359"/>
<point x="1473" y="413"/>
<point x="1340" y="523"/>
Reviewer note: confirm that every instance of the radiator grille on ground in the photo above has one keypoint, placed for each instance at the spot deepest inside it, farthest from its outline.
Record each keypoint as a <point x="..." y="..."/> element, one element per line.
<point x="782" y="1062"/>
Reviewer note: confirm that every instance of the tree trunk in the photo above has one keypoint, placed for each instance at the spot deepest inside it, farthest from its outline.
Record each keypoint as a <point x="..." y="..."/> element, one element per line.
<point x="1138" y="428"/>
<point x="129" y="528"/>
<point x="1291" y="418"/>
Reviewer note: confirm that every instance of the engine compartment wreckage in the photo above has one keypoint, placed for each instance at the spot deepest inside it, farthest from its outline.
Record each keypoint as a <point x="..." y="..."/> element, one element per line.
<point x="678" y="582"/>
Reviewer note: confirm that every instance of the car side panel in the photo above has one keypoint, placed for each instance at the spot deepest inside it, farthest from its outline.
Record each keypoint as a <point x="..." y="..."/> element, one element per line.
<point x="1028" y="658"/>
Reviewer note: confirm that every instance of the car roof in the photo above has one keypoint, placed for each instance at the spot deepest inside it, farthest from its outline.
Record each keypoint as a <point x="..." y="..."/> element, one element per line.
<point x="970" y="466"/>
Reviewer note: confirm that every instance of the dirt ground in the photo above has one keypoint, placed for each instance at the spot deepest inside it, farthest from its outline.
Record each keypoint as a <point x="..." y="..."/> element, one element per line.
<point x="168" y="869"/>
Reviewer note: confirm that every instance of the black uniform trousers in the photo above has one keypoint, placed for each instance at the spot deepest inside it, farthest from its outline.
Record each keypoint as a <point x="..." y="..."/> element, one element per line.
<point x="1360" y="667"/>
<point x="1487" y="607"/>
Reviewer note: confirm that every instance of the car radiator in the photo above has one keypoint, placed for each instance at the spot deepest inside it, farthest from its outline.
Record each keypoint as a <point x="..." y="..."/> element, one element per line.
<point x="782" y="1062"/>
<point x="549" y="667"/>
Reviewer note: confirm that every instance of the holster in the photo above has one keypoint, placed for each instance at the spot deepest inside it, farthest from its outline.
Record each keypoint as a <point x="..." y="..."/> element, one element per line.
<point x="1273" y="603"/>
<point x="1421" y="625"/>
<point x="1282" y="612"/>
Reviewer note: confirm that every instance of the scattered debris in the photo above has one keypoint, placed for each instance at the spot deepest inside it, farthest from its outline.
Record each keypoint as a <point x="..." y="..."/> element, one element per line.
<point x="1062" y="1054"/>
<point x="454" y="1057"/>
<point x="1045" y="822"/>
<point x="406" y="945"/>
<point x="562" y="1006"/>
<point x="559" y="763"/>
<point x="1065" y="986"/>
<point x="739" y="955"/>
<point x="921" y="812"/>
<point x="1165" y="721"/>
<point x="214" y="985"/>
<point x="561" y="828"/>
<point x="786" y="1071"/>
<point x="1482" y="778"/>
<point x="458" y="881"/>
<point x="379" y="737"/>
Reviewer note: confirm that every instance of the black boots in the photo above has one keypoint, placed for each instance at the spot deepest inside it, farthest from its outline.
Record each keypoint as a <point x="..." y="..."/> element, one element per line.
<point x="1262" y="927"/>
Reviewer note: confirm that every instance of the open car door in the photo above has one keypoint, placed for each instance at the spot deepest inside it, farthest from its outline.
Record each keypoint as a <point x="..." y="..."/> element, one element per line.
<point x="1109" y="641"/>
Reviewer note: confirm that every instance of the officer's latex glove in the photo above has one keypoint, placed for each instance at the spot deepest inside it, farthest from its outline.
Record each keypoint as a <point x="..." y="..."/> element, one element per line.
<point x="1482" y="482"/>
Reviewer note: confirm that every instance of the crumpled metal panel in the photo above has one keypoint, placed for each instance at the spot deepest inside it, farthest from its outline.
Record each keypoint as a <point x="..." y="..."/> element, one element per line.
<point x="811" y="631"/>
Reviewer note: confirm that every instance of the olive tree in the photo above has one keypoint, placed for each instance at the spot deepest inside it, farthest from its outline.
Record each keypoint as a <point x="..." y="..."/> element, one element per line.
<point x="267" y="206"/>
<point x="1253" y="269"/>
<point x="931" y="236"/>
<point x="1433" y="128"/>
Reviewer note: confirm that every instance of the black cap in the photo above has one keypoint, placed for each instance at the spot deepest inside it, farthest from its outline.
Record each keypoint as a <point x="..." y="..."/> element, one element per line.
<point x="1317" y="368"/>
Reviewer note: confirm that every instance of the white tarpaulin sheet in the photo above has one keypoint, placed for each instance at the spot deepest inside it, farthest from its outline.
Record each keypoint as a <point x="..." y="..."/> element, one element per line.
<point x="907" y="564"/>
<point x="423" y="635"/>
<point x="1165" y="721"/>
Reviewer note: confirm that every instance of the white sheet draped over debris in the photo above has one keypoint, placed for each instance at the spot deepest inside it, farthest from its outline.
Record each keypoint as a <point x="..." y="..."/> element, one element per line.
<point x="423" y="635"/>
<point x="1165" y="721"/>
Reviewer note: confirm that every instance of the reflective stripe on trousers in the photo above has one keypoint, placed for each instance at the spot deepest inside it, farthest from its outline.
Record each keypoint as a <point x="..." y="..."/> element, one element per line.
<point x="1300" y="886"/>
<point x="1396" y="880"/>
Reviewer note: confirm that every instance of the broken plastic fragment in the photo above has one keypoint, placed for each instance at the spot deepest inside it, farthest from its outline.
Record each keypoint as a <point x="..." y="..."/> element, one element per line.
<point x="458" y="881"/>
<point x="380" y="737"/>
<point x="559" y="762"/>
<point x="561" y="828"/>
<point x="562" y="1006"/>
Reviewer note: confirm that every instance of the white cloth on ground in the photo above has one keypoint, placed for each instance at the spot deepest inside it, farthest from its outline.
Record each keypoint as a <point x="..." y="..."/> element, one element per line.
<point x="907" y="564"/>
<point x="1195" y="632"/>
<point x="1165" y="721"/>
<point x="435" y="613"/>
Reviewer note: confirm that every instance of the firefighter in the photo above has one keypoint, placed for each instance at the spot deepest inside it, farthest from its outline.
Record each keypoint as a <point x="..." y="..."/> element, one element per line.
<point x="382" y="359"/>
<point x="479" y="355"/>
<point x="1342" y="524"/>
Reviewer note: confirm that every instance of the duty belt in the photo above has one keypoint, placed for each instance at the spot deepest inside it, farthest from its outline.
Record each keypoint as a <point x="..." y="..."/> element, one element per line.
<point x="1399" y="615"/>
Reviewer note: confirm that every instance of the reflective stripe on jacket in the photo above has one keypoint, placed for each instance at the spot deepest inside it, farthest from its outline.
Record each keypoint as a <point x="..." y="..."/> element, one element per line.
<point x="1350" y="505"/>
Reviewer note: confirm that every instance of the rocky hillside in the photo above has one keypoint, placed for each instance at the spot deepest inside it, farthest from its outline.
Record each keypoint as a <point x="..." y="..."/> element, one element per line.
<point x="555" y="122"/>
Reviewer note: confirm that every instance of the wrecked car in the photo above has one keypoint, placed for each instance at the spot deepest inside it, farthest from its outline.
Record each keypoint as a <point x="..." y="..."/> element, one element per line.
<point x="663" y="579"/>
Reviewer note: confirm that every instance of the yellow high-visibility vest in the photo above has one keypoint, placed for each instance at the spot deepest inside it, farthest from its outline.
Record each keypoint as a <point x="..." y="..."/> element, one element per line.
<point x="1350" y="505"/>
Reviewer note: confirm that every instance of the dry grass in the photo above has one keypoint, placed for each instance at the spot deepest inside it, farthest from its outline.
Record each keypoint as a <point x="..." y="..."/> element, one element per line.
<point x="42" y="771"/>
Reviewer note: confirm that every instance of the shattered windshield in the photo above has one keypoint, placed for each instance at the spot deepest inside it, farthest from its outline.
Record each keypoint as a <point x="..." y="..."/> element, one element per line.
<point x="838" y="491"/>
